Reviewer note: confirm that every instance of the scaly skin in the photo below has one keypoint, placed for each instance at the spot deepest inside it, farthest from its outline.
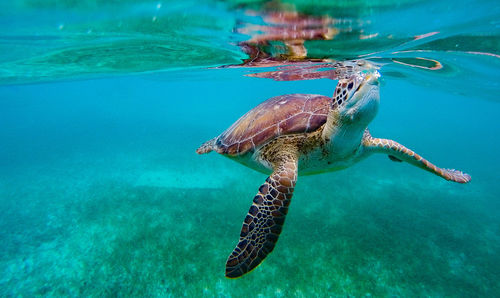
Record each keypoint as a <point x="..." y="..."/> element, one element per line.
<point x="266" y="216"/>
<point x="342" y="140"/>
<point x="402" y="153"/>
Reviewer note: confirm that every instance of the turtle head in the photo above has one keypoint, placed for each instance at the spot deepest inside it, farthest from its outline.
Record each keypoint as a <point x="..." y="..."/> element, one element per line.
<point x="356" y="98"/>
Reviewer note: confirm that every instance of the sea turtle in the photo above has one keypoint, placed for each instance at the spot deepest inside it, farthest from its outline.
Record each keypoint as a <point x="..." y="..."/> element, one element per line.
<point x="302" y="134"/>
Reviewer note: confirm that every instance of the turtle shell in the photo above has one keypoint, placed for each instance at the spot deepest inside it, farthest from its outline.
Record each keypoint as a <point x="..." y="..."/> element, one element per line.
<point x="277" y="116"/>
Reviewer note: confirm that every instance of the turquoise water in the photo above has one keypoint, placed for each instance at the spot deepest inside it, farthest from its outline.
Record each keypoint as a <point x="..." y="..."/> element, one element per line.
<point x="102" y="107"/>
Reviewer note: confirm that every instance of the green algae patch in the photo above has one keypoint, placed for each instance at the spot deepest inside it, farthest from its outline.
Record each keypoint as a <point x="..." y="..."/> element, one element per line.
<point x="359" y="240"/>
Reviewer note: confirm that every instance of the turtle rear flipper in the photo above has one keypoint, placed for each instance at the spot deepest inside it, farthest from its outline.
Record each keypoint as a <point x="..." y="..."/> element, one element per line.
<point x="207" y="147"/>
<point x="394" y="158"/>
<point x="265" y="219"/>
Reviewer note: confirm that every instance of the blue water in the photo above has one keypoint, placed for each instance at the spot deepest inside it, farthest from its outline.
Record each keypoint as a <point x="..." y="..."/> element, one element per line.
<point x="102" y="193"/>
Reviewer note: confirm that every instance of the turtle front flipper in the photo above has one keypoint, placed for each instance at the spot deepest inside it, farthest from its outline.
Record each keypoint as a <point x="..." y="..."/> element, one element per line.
<point x="265" y="219"/>
<point x="398" y="152"/>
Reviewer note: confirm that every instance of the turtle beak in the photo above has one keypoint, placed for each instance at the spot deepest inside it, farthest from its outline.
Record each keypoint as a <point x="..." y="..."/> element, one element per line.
<point x="372" y="79"/>
<point x="369" y="79"/>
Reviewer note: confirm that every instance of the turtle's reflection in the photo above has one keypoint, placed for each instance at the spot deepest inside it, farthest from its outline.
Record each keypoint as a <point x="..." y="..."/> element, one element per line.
<point x="301" y="46"/>
<point x="283" y="36"/>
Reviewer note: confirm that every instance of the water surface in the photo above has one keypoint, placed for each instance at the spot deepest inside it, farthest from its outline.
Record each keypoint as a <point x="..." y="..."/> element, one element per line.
<point x="102" y="104"/>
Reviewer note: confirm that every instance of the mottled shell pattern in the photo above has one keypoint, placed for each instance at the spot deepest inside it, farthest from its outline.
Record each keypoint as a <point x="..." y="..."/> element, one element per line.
<point x="277" y="116"/>
<point x="283" y="115"/>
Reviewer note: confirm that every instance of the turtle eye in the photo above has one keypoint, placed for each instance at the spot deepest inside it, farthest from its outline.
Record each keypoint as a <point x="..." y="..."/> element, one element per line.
<point x="349" y="87"/>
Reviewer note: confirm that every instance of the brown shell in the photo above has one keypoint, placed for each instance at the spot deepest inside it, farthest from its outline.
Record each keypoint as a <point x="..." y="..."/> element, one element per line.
<point x="277" y="116"/>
